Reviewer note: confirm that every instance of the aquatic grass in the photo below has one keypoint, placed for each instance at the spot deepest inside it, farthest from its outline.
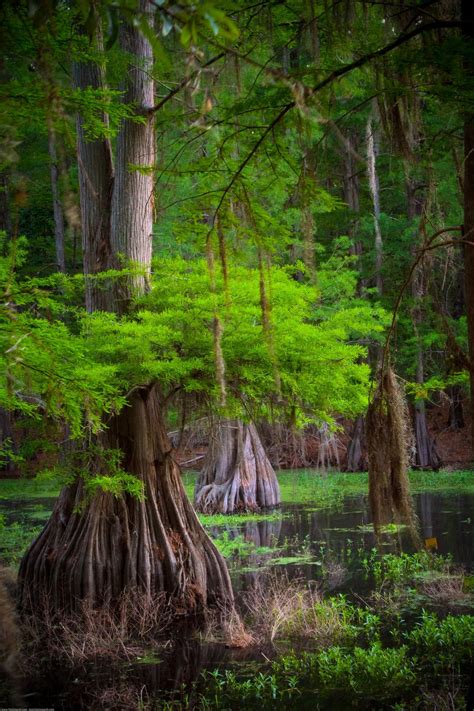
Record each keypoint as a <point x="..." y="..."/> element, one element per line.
<point x="278" y="607"/>
<point x="289" y="559"/>
<point x="428" y="661"/>
<point x="237" y="546"/>
<point x="15" y="538"/>
<point x="236" y="520"/>
<point x="296" y="485"/>
<point x="19" y="489"/>
<point x="442" y="643"/>
<point x="328" y="489"/>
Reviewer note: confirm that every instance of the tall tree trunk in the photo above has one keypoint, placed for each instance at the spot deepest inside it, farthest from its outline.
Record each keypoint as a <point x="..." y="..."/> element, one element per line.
<point x="96" y="182"/>
<point x="355" y="460"/>
<point x="7" y="440"/>
<point x="372" y="151"/>
<point x="237" y="474"/>
<point x="426" y="455"/>
<point x="57" y="205"/>
<point x="467" y="14"/>
<point x="456" y="411"/>
<point x="5" y="215"/>
<point x="96" y="548"/>
<point x="132" y="199"/>
<point x="95" y="551"/>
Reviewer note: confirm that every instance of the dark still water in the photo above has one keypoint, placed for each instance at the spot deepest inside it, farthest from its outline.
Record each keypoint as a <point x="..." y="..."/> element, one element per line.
<point x="329" y="545"/>
<point x="325" y="545"/>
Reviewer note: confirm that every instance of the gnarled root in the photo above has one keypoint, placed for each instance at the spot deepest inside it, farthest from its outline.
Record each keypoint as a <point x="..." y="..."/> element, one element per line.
<point x="237" y="474"/>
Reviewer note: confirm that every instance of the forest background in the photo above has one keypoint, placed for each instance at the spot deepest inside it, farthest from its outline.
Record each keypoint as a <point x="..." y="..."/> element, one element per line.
<point x="222" y="224"/>
<point x="301" y="165"/>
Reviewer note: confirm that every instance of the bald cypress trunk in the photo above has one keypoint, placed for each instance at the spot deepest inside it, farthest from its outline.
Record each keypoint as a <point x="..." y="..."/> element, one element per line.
<point x="95" y="549"/>
<point x="467" y="13"/>
<point x="356" y="460"/>
<point x="426" y="455"/>
<point x="57" y="205"/>
<point x="236" y="474"/>
<point x="95" y="190"/>
<point x="113" y="544"/>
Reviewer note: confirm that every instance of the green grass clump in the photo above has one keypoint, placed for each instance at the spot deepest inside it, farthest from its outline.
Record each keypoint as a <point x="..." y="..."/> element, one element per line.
<point x="14" y="540"/>
<point x="302" y="486"/>
<point x="237" y="546"/>
<point x="239" y="519"/>
<point x="430" y="657"/>
<point x="19" y="489"/>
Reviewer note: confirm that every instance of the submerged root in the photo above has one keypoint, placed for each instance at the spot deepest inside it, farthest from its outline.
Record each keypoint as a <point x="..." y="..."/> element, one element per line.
<point x="389" y="441"/>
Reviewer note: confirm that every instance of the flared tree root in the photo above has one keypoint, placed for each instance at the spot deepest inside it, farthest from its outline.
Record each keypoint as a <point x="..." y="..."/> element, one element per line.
<point x="237" y="474"/>
<point x="95" y="549"/>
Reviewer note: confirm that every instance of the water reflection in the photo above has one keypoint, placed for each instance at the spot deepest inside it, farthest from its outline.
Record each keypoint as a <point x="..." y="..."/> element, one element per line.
<point x="306" y="536"/>
<point x="325" y="545"/>
<point x="109" y="685"/>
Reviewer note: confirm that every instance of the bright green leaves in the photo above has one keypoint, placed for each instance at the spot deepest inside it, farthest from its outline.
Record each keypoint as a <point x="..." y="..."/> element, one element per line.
<point x="46" y="368"/>
<point x="321" y="372"/>
<point x="75" y="367"/>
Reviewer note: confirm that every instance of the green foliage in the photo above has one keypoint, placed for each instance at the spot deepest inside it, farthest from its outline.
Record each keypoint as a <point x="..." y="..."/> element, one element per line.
<point x="404" y="569"/>
<point x="46" y="365"/>
<point x="442" y="644"/>
<point x="233" y="545"/>
<point x="15" y="538"/>
<point x="320" y="373"/>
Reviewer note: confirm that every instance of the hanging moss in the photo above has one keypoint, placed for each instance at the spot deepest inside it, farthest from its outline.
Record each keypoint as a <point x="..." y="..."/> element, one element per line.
<point x="389" y="441"/>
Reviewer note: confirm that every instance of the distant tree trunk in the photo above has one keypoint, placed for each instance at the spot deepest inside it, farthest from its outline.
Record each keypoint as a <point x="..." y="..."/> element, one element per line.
<point x="237" y="474"/>
<point x="372" y="151"/>
<point x="96" y="549"/>
<point x="7" y="439"/>
<point x="351" y="189"/>
<point x="455" y="392"/>
<point x="57" y="205"/>
<point x="356" y="460"/>
<point x="456" y="411"/>
<point x="467" y="15"/>
<point x="5" y="215"/>
<point x="426" y="455"/>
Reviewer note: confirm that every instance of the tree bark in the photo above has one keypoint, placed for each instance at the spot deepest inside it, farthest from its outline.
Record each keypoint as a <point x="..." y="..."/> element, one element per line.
<point x="95" y="190"/>
<point x="426" y="455"/>
<point x="356" y="460"/>
<point x="95" y="548"/>
<point x="57" y="206"/>
<point x="132" y="198"/>
<point x="237" y="474"/>
<point x="372" y="151"/>
<point x="5" y="215"/>
<point x="456" y="411"/>
<point x="467" y="15"/>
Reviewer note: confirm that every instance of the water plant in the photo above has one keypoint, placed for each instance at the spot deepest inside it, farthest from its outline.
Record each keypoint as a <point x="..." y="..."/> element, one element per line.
<point x="346" y="676"/>
<point x="14" y="540"/>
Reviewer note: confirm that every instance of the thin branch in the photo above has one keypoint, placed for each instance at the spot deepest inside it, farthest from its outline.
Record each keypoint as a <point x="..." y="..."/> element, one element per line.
<point x="429" y="246"/>
<point x="182" y="84"/>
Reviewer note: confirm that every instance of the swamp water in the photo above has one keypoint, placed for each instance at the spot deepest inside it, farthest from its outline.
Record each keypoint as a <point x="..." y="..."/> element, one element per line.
<point x="330" y="544"/>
